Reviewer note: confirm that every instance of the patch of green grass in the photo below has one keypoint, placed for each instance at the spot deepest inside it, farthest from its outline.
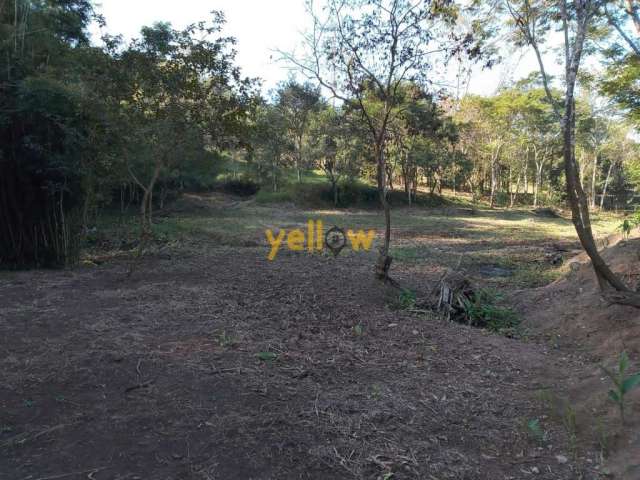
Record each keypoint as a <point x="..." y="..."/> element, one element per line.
<point x="406" y="299"/>
<point x="410" y="254"/>
<point x="533" y="275"/>
<point x="483" y="310"/>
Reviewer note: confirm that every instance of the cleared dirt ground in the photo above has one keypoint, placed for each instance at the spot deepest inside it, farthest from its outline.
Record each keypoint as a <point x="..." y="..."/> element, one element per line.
<point x="211" y="362"/>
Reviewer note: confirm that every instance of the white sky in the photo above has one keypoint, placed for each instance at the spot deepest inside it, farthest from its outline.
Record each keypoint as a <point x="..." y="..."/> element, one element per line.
<point x="261" y="26"/>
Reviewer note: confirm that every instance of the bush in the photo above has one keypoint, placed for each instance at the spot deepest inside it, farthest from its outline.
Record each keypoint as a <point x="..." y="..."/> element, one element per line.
<point x="266" y="196"/>
<point x="240" y="187"/>
<point x="354" y="193"/>
<point x="482" y="310"/>
<point x="350" y="194"/>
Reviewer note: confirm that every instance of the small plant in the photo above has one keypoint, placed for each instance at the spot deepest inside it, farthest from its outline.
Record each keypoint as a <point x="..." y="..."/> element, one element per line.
<point x="267" y="356"/>
<point x="406" y="299"/>
<point x="622" y="382"/>
<point x="571" y="428"/>
<point x="625" y="227"/>
<point x="636" y="218"/>
<point x="482" y="310"/>
<point x="226" y="340"/>
<point x="535" y="430"/>
<point x="376" y="391"/>
<point x="358" y="330"/>
<point x="603" y="438"/>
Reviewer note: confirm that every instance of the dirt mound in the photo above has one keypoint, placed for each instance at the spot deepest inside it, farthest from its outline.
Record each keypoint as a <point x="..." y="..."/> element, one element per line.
<point x="572" y="311"/>
<point x="571" y="315"/>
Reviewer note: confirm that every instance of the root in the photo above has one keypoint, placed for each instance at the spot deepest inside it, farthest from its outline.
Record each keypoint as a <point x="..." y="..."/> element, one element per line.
<point x="631" y="299"/>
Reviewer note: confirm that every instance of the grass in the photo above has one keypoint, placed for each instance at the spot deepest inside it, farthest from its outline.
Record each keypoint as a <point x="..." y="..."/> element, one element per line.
<point x="449" y="235"/>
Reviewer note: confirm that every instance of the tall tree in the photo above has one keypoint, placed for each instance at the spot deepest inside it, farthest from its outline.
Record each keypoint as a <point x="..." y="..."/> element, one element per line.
<point x="533" y="19"/>
<point x="182" y="90"/>
<point x="297" y="103"/>
<point x="43" y="129"/>
<point x="358" y="48"/>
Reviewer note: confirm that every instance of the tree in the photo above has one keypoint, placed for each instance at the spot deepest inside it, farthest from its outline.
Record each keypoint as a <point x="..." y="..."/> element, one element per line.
<point x="43" y="130"/>
<point x="533" y="19"/>
<point x="181" y="91"/>
<point x="371" y="47"/>
<point x="419" y="123"/>
<point x="269" y="143"/>
<point x="337" y="144"/>
<point x="297" y="103"/>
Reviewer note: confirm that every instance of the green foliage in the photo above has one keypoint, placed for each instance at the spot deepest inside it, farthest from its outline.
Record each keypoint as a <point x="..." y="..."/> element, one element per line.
<point x="267" y="356"/>
<point x="623" y="383"/>
<point x="406" y="299"/>
<point x="535" y="431"/>
<point x="43" y="130"/>
<point x="483" y="310"/>
<point x="226" y="340"/>
<point x="570" y="424"/>
<point x="625" y="227"/>
<point x="82" y="126"/>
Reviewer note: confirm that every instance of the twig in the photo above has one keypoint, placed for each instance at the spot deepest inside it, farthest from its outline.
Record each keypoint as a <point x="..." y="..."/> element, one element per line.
<point x="62" y="475"/>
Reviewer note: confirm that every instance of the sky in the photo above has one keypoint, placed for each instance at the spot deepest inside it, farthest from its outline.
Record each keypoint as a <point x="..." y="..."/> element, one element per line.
<point x="261" y="27"/>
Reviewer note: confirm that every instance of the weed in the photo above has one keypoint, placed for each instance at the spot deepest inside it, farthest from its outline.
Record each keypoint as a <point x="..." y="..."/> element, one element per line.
<point x="625" y="227"/>
<point x="482" y="310"/>
<point x="406" y="299"/>
<point x="570" y="427"/>
<point x="545" y="397"/>
<point x="225" y="340"/>
<point x="267" y="356"/>
<point x="623" y="384"/>
<point x="535" y="431"/>
<point x="358" y="330"/>
<point x="535" y="275"/>
<point x="376" y="391"/>
<point x="603" y="438"/>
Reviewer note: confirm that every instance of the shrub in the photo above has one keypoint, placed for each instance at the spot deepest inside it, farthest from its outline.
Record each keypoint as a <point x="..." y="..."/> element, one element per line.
<point x="240" y="187"/>
<point x="482" y="310"/>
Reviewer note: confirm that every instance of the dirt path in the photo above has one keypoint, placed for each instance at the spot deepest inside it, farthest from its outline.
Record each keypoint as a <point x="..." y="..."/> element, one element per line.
<point x="162" y="377"/>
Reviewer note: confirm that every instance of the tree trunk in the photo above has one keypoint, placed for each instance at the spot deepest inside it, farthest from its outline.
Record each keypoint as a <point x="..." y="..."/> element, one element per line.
<point x="578" y="203"/>
<point x="526" y="173"/>
<point x="406" y="178"/>
<point x="593" y="181"/>
<point x="514" y="195"/>
<point x="494" y="175"/>
<point x="414" y="186"/>
<point x="606" y="184"/>
<point x="299" y="159"/>
<point x="85" y="210"/>
<point x="274" y="176"/>
<point x="384" y="260"/>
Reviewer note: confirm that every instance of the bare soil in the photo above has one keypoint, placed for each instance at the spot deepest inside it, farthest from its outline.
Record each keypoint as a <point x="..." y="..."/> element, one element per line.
<point x="573" y="317"/>
<point x="211" y="362"/>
